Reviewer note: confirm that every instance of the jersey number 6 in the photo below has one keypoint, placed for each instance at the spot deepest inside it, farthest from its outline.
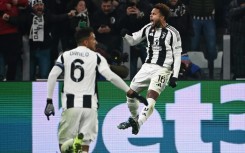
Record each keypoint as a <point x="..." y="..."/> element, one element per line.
<point x="76" y="65"/>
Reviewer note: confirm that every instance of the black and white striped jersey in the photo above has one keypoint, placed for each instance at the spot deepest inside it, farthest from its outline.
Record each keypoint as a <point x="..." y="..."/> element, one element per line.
<point x="163" y="46"/>
<point x="80" y="66"/>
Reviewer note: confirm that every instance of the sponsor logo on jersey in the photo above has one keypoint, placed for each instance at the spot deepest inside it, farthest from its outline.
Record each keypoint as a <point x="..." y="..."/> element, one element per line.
<point x="156" y="47"/>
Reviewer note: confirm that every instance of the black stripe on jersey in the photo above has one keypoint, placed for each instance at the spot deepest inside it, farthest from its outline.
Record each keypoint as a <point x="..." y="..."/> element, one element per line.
<point x="60" y="65"/>
<point x="175" y="32"/>
<point x="151" y="42"/>
<point x="87" y="101"/>
<point x="69" y="101"/>
<point x="171" y="44"/>
<point x="143" y="33"/>
<point x="98" y="60"/>
<point x="171" y="41"/>
<point x="62" y="59"/>
<point x="96" y="85"/>
<point x="162" y="53"/>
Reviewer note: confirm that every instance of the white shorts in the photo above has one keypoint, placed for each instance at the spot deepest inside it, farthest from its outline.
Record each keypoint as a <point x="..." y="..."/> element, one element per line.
<point x="153" y="76"/>
<point x="78" y="120"/>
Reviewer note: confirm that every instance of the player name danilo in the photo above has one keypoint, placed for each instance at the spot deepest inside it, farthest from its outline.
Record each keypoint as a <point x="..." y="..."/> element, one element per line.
<point x="83" y="54"/>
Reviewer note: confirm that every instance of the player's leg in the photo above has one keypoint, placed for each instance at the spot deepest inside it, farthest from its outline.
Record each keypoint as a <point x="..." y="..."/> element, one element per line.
<point x="133" y="106"/>
<point x="85" y="147"/>
<point x="148" y="110"/>
<point x="77" y="145"/>
<point x="69" y="123"/>
<point x="139" y="83"/>
<point x="157" y="85"/>
<point x="66" y="147"/>
<point x="89" y="127"/>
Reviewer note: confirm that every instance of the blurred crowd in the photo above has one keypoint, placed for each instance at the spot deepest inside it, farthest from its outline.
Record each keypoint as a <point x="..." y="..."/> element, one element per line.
<point x="48" y="26"/>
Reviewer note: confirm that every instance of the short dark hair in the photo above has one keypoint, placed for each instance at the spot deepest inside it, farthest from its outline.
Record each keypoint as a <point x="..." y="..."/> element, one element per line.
<point x="83" y="34"/>
<point x="164" y="9"/>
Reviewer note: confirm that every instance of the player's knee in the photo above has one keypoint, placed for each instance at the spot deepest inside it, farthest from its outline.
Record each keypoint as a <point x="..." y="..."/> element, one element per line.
<point x="130" y="100"/>
<point x="132" y="103"/>
<point x="130" y="93"/>
<point x="154" y="94"/>
<point x="151" y="103"/>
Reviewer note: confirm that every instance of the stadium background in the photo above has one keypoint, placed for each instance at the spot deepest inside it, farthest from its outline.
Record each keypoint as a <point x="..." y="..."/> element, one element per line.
<point x="25" y="129"/>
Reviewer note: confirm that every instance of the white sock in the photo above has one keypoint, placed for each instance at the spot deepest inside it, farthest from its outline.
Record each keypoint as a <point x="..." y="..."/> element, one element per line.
<point x="133" y="106"/>
<point x="147" y="111"/>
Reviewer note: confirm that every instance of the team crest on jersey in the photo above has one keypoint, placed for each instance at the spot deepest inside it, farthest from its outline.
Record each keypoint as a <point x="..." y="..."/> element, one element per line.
<point x="156" y="42"/>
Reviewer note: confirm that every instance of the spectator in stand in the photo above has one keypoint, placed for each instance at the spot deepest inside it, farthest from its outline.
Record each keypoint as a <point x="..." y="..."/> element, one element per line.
<point x="186" y="2"/>
<point x="82" y="19"/>
<point x="189" y="70"/>
<point x="91" y="5"/>
<point x="105" y="23"/>
<point x="237" y="32"/>
<point x="38" y="25"/>
<point x="203" y="12"/>
<point x="59" y="33"/>
<point x="115" y="60"/>
<point x="136" y="15"/>
<point x="154" y="2"/>
<point x="10" y="39"/>
<point x="180" y="18"/>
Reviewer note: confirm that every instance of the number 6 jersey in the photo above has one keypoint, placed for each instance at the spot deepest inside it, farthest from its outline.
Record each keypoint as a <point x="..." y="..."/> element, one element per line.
<point x="80" y="66"/>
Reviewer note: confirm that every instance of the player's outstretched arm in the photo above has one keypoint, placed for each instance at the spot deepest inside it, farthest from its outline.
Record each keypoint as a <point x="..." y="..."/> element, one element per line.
<point x="117" y="81"/>
<point x="53" y="75"/>
<point x="105" y="70"/>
